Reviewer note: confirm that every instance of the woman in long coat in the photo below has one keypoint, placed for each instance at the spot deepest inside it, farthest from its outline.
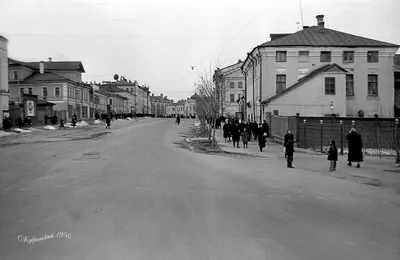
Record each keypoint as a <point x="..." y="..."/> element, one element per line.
<point x="355" y="148"/>
<point x="226" y="129"/>
<point x="261" y="138"/>
<point x="235" y="135"/>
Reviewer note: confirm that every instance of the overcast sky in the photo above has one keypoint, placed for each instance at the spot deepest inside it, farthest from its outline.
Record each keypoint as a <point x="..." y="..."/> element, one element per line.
<point x="156" y="41"/>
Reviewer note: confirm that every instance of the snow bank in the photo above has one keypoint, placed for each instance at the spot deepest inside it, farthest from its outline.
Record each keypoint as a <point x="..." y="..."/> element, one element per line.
<point x="82" y="123"/>
<point x="197" y="123"/>
<point x="128" y="118"/>
<point x="2" y="133"/>
<point x="97" y="122"/>
<point x="33" y="129"/>
<point x="49" y="127"/>
<point x="68" y="125"/>
<point x="19" y="130"/>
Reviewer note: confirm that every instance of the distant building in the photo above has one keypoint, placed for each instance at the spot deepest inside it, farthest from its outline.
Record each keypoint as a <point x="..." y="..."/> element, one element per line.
<point x="190" y="106"/>
<point x="159" y="105"/>
<point x="318" y="72"/>
<point x="4" y="90"/>
<point x="229" y="83"/>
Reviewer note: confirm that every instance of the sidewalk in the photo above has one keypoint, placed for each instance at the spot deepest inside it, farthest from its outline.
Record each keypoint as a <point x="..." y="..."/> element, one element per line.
<point x="373" y="171"/>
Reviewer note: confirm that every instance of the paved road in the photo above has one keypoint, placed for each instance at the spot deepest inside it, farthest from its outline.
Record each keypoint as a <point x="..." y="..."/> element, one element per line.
<point x="135" y="194"/>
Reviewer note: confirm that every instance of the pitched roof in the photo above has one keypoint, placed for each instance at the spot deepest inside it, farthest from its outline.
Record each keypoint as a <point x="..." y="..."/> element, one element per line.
<point x="58" y="65"/>
<point x="323" y="37"/>
<point x="113" y="89"/>
<point x="46" y="76"/>
<point x="3" y="38"/>
<point x="304" y="79"/>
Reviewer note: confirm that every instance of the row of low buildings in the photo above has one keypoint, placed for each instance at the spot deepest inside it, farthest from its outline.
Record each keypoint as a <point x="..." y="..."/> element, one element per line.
<point x="314" y="72"/>
<point x="55" y="88"/>
<point x="184" y="108"/>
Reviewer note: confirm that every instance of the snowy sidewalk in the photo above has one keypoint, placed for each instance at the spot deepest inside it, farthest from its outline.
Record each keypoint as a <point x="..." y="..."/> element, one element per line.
<point x="373" y="171"/>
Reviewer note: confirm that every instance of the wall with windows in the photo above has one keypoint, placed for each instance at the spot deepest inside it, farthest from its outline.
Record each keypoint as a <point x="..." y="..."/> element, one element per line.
<point x="313" y="98"/>
<point x="282" y="67"/>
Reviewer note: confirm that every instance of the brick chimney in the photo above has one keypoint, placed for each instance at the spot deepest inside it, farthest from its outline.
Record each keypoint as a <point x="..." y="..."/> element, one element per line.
<point x="50" y="60"/>
<point x="41" y="67"/>
<point x="320" y="21"/>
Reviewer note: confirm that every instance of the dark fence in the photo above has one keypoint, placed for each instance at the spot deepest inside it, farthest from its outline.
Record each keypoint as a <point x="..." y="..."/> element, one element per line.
<point x="379" y="135"/>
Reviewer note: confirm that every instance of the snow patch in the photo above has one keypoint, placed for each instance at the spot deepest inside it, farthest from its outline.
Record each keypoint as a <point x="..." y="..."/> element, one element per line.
<point x="128" y="118"/>
<point x="2" y="133"/>
<point x="19" y="130"/>
<point x="49" y="127"/>
<point x="82" y="123"/>
<point x="97" y="122"/>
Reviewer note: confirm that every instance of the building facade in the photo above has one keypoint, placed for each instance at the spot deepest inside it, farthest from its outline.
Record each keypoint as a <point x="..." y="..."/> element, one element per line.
<point x="273" y="68"/>
<point x="4" y="90"/>
<point x="229" y="83"/>
<point x="190" y="107"/>
<point x="159" y="105"/>
<point x="56" y="82"/>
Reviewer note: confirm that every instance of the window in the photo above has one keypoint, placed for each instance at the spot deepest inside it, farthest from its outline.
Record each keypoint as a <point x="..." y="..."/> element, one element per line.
<point x="350" y="85"/>
<point x="280" y="83"/>
<point x="131" y="89"/>
<point x="275" y="112"/>
<point x="77" y="94"/>
<point x="96" y="100"/>
<point x="281" y="56"/>
<point x="232" y="84"/>
<point x="232" y="97"/>
<point x="110" y="101"/>
<point x="325" y="56"/>
<point x="57" y="91"/>
<point x="348" y="56"/>
<point x="372" y="57"/>
<point x="127" y="89"/>
<point x="15" y="74"/>
<point x="330" y="86"/>
<point x="240" y="84"/>
<point x="44" y="91"/>
<point x="21" y="92"/>
<point x="304" y="56"/>
<point x="372" y="85"/>
<point x="30" y="91"/>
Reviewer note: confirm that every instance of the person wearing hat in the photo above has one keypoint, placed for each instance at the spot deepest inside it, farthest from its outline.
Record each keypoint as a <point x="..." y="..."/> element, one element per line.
<point x="355" y="147"/>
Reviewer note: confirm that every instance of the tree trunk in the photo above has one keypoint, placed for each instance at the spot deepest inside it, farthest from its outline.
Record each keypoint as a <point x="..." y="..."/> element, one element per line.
<point x="213" y="138"/>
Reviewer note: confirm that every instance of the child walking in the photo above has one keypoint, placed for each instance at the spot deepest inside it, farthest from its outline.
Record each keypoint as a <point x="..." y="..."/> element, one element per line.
<point x="333" y="156"/>
<point x="289" y="153"/>
<point x="245" y="138"/>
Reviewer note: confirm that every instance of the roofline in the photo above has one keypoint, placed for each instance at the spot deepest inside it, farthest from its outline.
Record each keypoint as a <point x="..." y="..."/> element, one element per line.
<point x="4" y="38"/>
<point x="341" y="46"/>
<point x="299" y="82"/>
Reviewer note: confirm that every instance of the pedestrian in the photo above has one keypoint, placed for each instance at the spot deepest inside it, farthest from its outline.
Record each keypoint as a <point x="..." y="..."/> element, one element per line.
<point x="255" y="130"/>
<point x="289" y="151"/>
<point x="261" y="138"/>
<point x="245" y="138"/>
<point x="236" y="135"/>
<point x="225" y="130"/>
<point x="355" y="147"/>
<point x="74" y="119"/>
<point x="62" y="124"/>
<point x="332" y="156"/>
<point x="288" y="137"/>
<point x="178" y="119"/>
<point x="108" y="122"/>
<point x="265" y="127"/>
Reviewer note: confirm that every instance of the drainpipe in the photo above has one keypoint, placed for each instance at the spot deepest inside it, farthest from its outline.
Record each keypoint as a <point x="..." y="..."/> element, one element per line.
<point x="254" y="103"/>
<point x="261" y="106"/>
<point x="245" y="94"/>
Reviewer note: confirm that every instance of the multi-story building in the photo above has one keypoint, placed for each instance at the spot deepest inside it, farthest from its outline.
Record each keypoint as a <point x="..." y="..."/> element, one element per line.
<point x="174" y="109"/>
<point x="159" y="104"/>
<point x="190" y="106"/>
<point x="129" y="91"/>
<point x="319" y="71"/>
<point x="230" y="88"/>
<point x="124" y="92"/>
<point x="100" y="98"/>
<point x="4" y="90"/>
<point x="59" y="82"/>
<point x="117" y="102"/>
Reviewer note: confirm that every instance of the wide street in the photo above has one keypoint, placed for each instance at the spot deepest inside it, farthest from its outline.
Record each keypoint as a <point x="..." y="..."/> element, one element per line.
<point x="134" y="193"/>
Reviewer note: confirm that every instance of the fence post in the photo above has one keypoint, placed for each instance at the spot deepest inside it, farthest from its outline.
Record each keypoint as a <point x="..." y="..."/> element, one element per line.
<point x="322" y="133"/>
<point x="378" y="132"/>
<point x="305" y="134"/>
<point x="341" y="137"/>
<point x="297" y="129"/>
<point x="396" y="134"/>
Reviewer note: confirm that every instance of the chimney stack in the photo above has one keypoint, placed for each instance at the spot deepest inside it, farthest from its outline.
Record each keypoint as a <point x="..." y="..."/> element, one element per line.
<point x="320" y="21"/>
<point x="41" y="67"/>
<point x="50" y="60"/>
<point x="161" y="95"/>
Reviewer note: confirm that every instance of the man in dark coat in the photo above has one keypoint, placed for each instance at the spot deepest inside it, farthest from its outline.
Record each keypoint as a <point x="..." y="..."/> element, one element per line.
<point x="265" y="128"/>
<point x="255" y="130"/>
<point x="288" y="137"/>
<point x="261" y="138"/>
<point x="355" y="147"/>
<point x="236" y="134"/>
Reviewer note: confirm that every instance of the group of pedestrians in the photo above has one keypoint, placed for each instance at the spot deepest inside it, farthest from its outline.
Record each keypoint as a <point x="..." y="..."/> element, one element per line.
<point x="235" y="130"/>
